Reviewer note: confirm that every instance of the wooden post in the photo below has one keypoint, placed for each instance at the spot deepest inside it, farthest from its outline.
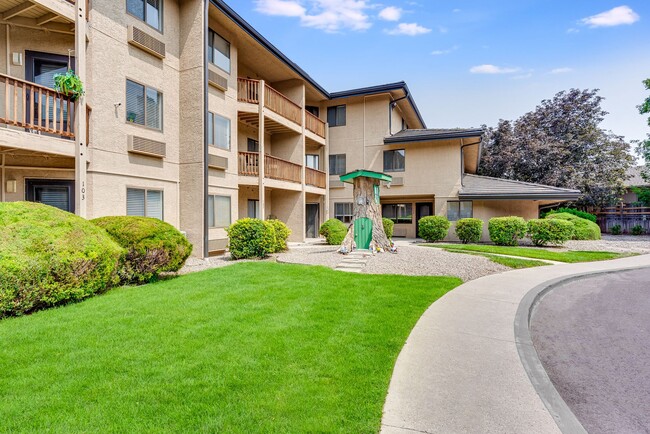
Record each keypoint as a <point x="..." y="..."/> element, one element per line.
<point x="80" y="113"/>
<point x="261" y="95"/>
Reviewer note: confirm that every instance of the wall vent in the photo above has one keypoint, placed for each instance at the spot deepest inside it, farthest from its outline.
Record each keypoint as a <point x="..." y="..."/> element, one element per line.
<point x="397" y="180"/>
<point x="217" y="80"/>
<point x="337" y="184"/>
<point x="146" y="42"/>
<point x="216" y="162"/>
<point x="152" y="148"/>
<point x="217" y="245"/>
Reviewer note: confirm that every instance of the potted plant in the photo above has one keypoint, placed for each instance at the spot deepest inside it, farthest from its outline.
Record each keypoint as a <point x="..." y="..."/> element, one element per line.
<point x="69" y="84"/>
<point x="130" y="117"/>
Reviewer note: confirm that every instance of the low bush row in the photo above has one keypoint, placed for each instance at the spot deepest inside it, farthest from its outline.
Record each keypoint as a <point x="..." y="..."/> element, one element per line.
<point x="255" y="238"/>
<point x="582" y="214"/>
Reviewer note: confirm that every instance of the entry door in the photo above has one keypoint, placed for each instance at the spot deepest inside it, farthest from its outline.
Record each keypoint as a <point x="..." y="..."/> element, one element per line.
<point x="422" y="209"/>
<point x="312" y="220"/>
<point x="253" y="209"/>
<point x="56" y="193"/>
<point x="363" y="233"/>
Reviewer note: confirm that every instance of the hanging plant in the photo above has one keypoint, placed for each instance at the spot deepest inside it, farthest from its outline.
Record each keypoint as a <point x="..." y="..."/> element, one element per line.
<point x="69" y="84"/>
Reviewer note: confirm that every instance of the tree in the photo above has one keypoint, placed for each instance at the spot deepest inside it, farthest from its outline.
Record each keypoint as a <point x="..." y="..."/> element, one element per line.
<point x="643" y="148"/>
<point x="561" y="144"/>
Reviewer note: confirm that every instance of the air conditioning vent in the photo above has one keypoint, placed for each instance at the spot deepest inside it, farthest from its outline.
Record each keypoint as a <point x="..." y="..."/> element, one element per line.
<point x="216" y="162"/>
<point x="217" y="245"/>
<point x="146" y="42"/>
<point x="152" y="148"/>
<point x="397" y="180"/>
<point x="337" y="184"/>
<point x="217" y="80"/>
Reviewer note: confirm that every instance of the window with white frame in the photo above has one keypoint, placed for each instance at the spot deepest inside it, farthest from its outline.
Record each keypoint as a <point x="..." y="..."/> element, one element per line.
<point x="218" y="211"/>
<point x="459" y="209"/>
<point x="144" y="202"/>
<point x="312" y="161"/>
<point x="218" y="51"/>
<point x="218" y="131"/>
<point x="143" y="105"/>
<point x="343" y="211"/>
<point x="149" y="11"/>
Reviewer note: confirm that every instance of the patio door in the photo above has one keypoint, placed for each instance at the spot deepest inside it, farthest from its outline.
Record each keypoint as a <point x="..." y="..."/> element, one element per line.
<point x="54" y="192"/>
<point x="422" y="209"/>
<point x="40" y="68"/>
<point x="312" y="220"/>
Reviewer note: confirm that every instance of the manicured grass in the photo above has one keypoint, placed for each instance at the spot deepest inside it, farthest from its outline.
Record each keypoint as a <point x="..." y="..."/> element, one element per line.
<point x="515" y="263"/>
<point x="253" y="347"/>
<point x="531" y="252"/>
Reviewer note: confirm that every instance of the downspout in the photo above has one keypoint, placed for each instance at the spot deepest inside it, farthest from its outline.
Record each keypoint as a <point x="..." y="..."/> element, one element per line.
<point x="206" y="10"/>
<point x="462" y="157"/>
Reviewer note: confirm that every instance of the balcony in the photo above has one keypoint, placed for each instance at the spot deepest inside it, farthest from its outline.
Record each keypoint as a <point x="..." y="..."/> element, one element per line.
<point x="315" y="178"/>
<point x="274" y="167"/>
<point x="314" y="124"/>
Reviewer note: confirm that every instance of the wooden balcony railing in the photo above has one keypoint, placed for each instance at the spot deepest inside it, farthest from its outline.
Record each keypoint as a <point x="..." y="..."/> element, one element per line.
<point x="274" y="167"/>
<point x="35" y="107"/>
<point x="314" y="124"/>
<point x="315" y="177"/>
<point x="249" y="91"/>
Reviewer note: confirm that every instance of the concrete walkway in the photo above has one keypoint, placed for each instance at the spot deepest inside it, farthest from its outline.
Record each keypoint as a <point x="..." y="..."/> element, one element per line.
<point x="460" y="370"/>
<point x="354" y="262"/>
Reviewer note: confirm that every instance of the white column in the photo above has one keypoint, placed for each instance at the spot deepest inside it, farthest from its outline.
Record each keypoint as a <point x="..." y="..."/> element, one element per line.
<point x="260" y="161"/>
<point x="80" y="127"/>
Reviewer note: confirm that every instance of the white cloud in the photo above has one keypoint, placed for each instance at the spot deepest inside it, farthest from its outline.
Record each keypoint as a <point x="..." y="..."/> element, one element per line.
<point x="573" y="30"/>
<point x="614" y="17"/>
<point x="456" y="10"/>
<point x="327" y="15"/>
<point x="443" y="52"/>
<point x="409" y="29"/>
<point x="390" y="13"/>
<point x="561" y="70"/>
<point x="492" y="69"/>
<point x="285" y="8"/>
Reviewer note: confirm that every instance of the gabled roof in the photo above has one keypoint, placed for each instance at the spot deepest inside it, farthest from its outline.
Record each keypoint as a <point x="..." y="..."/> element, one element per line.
<point x="348" y="177"/>
<point x="634" y="178"/>
<point x="425" y="135"/>
<point x="483" y="187"/>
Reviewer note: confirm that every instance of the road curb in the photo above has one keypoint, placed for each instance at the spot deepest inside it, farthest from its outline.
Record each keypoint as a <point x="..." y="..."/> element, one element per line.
<point x="566" y="421"/>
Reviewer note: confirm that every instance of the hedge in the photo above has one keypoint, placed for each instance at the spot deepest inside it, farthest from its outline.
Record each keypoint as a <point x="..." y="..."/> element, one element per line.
<point x="550" y="231"/>
<point x="507" y="231"/>
<point x="334" y="231"/>
<point x="152" y="247"/>
<point x="282" y="233"/>
<point x="469" y="230"/>
<point x="584" y="229"/>
<point x="389" y="225"/>
<point x="433" y="228"/>
<point x="582" y="214"/>
<point x="251" y="238"/>
<point x="50" y="257"/>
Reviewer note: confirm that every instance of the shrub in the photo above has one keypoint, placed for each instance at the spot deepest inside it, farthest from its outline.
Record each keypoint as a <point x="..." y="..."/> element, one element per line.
<point x="507" y="231"/>
<point x="433" y="228"/>
<point x="282" y="233"/>
<point x="469" y="230"/>
<point x="251" y="238"/>
<point x="584" y="229"/>
<point x="582" y="214"/>
<point x="389" y="225"/>
<point x="637" y="230"/>
<point x="550" y="231"/>
<point x="152" y="246"/>
<point x="334" y="231"/>
<point x="616" y="230"/>
<point x="50" y="257"/>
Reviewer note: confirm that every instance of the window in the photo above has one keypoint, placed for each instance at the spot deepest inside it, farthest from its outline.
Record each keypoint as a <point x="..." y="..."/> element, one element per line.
<point x="312" y="160"/>
<point x="336" y="116"/>
<point x="56" y="193"/>
<point x="218" y="211"/>
<point x="253" y="208"/>
<point x="398" y="212"/>
<point x="337" y="164"/>
<point x="149" y="11"/>
<point x="343" y="212"/>
<point x="144" y="203"/>
<point x="394" y="161"/>
<point x="143" y="105"/>
<point x="253" y="145"/>
<point x="218" y="131"/>
<point x="459" y="209"/>
<point x="313" y="110"/>
<point x="218" y="51"/>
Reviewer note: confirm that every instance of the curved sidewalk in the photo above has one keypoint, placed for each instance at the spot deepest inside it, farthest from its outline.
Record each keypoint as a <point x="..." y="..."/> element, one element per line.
<point x="460" y="370"/>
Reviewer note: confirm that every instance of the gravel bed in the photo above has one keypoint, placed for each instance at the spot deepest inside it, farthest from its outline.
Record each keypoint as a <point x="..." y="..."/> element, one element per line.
<point x="312" y="255"/>
<point x="198" y="264"/>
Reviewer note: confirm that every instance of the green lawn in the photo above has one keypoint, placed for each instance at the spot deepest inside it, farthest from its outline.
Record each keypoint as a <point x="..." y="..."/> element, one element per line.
<point x="510" y="262"/>
<point x="530" y="252"/>
<point x="253" y="347"/>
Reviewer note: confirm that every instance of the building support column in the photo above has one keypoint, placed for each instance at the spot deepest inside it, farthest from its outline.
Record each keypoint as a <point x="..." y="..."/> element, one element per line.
<point x="262" y="152"/>
<point x="327" y="173"/>
<point x="4" y="180"/>
<point x="81" y="127"/>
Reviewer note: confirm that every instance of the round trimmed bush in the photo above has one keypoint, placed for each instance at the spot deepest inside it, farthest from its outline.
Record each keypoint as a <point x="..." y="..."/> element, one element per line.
<point x="282" y="233"/>
<point x="152" y="246"/>
<point x="582" y="214"/>
<point x="433" y="228"/>
<point x="251" y="238"/>
<point x="550" y="231"/>
<point x="334" y="231"/>
<point x="637" y="230"/>
<point x="389" y="225"/>
<point x="50" y="257"/>
<point x="616" y="230"/>
<point x="507" y="231"/>
<point x="584" y="229"/>
<point x="469" y="230"/>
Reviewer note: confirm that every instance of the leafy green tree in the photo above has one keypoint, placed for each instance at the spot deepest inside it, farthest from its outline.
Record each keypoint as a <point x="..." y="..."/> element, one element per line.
<point x="561" y="144"/>
<point x="643" y="148"/>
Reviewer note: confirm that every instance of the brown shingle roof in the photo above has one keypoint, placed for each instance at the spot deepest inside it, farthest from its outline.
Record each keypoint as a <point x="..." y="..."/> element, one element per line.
<point x="484" y="187"/>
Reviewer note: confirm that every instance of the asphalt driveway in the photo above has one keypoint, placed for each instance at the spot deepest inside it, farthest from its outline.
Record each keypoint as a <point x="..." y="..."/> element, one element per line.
<point x="593" y="338"/>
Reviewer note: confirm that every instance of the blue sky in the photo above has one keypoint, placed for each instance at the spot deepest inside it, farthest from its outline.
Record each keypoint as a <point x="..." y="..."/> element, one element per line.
<point x="470" y="62"/>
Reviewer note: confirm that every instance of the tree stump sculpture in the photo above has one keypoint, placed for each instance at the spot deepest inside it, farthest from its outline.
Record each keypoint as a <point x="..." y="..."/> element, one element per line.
<point x="366" y="230"/>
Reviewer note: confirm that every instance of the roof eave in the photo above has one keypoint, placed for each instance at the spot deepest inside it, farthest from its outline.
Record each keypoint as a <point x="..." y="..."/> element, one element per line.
<point x="429" y="138"/>
<point x="520" y="196"/>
